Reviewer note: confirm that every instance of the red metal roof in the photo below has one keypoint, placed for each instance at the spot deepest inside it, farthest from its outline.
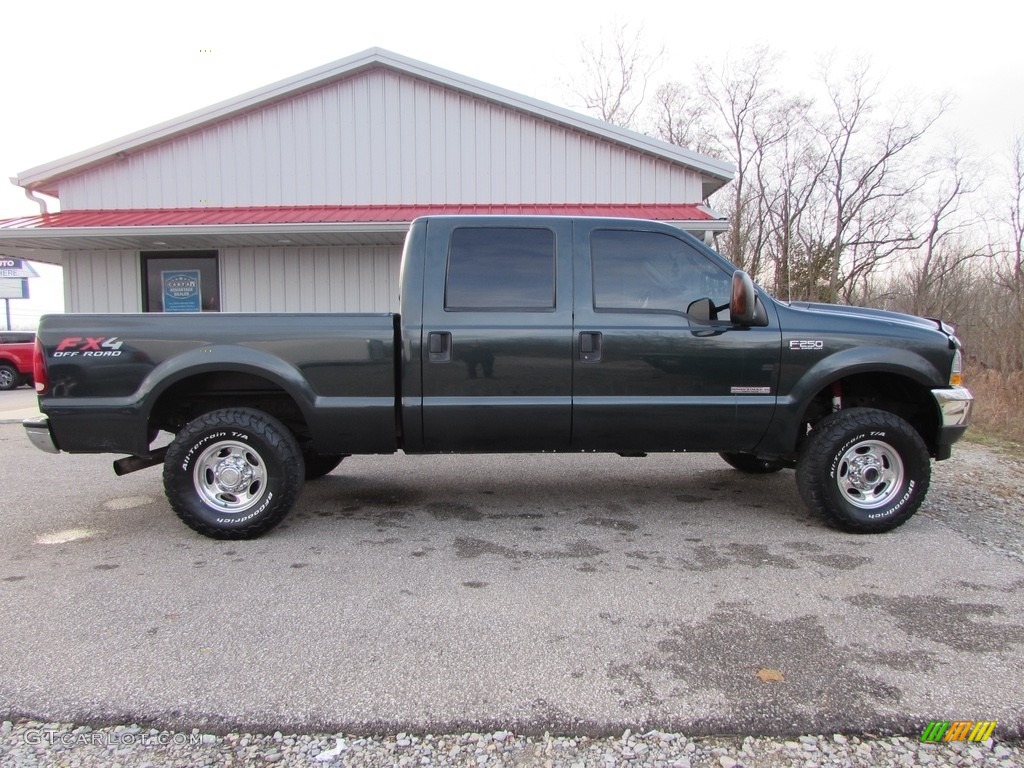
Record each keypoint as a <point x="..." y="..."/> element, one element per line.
<point x="326" y="214"/>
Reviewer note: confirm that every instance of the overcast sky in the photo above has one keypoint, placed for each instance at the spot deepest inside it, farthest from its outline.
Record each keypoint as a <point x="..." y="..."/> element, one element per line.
<point x="79" y="74"/>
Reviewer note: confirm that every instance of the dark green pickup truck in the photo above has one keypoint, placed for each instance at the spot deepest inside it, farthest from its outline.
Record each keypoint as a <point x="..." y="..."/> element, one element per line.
<point x="515" y="334"/>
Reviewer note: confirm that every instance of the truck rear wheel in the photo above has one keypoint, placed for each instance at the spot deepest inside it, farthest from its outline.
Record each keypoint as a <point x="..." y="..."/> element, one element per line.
<point x="863" y="470"/>
<point x="233" y="473"/>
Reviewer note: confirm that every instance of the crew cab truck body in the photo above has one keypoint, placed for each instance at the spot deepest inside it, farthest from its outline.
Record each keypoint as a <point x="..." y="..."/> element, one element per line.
<point x="515" y="334"/>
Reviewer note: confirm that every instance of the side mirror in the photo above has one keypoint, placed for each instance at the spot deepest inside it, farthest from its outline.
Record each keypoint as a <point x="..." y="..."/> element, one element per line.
<point x="744" y="307"/>
<point x="702" y="311"/>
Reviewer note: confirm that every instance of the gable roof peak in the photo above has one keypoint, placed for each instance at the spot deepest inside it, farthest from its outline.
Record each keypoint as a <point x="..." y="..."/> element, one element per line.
<point x="43" y="178"/>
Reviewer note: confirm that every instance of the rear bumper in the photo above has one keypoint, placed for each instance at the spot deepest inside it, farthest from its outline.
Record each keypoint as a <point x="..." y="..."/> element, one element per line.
<point x="954" y="404"/>
<point x="40" y="435"/>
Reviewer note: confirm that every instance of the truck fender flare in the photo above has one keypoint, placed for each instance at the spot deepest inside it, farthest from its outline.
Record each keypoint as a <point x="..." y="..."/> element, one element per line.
<point x="785" y="427"/>
<point x="219" y="358"/>
<point x="850" y="362"/>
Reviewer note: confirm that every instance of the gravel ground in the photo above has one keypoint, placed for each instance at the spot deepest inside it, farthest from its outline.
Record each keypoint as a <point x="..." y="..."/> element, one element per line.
<point x="30" y="743"/>
<point x="980" y="495"/>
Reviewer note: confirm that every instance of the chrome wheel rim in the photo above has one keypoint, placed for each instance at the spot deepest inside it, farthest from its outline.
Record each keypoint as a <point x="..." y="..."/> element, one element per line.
<point x="6" y="378"/>
<point x="870" y="474"/>
<point x="230" y="477"/>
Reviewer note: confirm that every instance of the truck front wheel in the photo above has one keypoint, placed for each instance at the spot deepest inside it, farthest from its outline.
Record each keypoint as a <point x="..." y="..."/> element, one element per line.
<point x="233" y="473"/>
<point x="863" y="470"/>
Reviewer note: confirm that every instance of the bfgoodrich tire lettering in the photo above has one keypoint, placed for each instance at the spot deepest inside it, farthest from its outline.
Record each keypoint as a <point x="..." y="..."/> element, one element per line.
<point x="864" y="470"/>
<point x="233" y="473"/>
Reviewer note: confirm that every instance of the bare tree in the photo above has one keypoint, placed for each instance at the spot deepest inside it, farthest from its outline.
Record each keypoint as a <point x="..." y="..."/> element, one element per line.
<point x="1009" y="314"/>
<point x="1015" y="217"/>
<point x="794" y="179"/>
<point x="944" y="247"/>
<point x="747" y="107"/>
<point x="822" y="196"/>
<point x="681" y="117"/>
<point x="616" y="75"/>
<point x="870" y="172"/>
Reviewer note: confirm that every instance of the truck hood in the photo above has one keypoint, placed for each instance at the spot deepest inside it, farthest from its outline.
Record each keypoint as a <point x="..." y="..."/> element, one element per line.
<point x="880" y="315"/>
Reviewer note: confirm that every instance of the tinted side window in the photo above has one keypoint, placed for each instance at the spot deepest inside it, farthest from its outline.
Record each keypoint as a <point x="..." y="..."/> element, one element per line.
<point x="500" y="268"/>
<point x="652" y="271"/>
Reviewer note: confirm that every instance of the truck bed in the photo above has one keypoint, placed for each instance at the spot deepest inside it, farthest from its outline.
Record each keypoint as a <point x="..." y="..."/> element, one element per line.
<point x="105" y="384"/>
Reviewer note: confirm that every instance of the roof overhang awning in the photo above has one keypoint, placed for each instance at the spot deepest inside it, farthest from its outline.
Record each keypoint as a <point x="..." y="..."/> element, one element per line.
<point x="44" y="237"/>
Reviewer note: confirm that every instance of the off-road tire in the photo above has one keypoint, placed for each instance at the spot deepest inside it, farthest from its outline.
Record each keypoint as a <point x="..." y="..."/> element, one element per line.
<point x="9" y="377"/>
<point x="318" y="465"/>
<point x="751" y="464"/>
<point x="233" y="473"/>
<point x="863" y="470"/>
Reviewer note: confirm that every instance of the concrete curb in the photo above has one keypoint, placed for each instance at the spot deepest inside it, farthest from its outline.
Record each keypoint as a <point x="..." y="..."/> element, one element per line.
<point x="16" y="417"/>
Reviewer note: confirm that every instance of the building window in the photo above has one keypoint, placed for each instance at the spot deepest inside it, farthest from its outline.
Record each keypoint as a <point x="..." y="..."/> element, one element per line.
<point x="180" y="281"/>
<point x="637" y="271"/>
<point x="501" y="268"/>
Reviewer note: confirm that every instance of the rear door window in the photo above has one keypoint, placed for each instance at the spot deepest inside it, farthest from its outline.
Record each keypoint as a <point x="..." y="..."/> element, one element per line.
<point x="500" y="268"/>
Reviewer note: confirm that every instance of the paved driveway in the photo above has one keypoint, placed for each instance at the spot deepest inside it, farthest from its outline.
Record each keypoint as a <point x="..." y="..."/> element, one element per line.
<point x="16" y="404"/>
<point x="582" y="593"/>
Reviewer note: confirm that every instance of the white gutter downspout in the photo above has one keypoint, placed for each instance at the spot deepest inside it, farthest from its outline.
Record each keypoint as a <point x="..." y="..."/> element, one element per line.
<point x="33" y="197"/>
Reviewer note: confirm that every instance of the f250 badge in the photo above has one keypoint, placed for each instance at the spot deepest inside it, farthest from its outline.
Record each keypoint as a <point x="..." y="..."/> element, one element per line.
<point x="804" y="345"/>
<point x="86" y="346"/>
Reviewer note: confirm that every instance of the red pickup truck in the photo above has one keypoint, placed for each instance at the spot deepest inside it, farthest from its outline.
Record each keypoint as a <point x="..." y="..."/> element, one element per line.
<point x="16" y="358"/>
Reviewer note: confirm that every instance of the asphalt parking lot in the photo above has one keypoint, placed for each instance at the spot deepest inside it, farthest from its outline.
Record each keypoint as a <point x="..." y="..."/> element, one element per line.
<point x="565" y="593"/>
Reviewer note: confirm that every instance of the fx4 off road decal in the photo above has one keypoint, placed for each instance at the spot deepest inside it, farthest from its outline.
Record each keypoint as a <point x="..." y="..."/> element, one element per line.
<point x="88" y="346"/>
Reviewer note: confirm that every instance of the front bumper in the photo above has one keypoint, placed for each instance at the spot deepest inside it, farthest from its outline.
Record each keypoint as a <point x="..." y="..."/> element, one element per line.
<point x="954" y="404"/>
<point x="40" y="435"/>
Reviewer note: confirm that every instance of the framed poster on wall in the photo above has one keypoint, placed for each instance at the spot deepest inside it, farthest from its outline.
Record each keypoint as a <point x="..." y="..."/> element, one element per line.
<point x="180" y="281"/>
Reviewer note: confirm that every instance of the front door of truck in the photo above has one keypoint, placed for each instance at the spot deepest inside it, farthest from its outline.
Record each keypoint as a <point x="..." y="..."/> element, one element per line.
<point x="496" y="347"/>
<point x="655" y="370"/>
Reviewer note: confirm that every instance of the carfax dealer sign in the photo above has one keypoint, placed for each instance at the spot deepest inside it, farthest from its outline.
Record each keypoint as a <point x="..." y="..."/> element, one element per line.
<point x="181" y="290"/>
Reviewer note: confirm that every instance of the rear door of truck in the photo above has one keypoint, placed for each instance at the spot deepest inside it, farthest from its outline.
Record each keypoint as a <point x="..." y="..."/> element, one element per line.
<point x="497" y="335"/>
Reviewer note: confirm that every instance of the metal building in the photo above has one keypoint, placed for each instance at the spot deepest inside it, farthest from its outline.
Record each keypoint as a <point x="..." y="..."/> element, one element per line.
<point x="296" y="197"/>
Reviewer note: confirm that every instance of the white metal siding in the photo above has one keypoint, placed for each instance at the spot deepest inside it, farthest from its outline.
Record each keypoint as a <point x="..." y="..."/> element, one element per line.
<point x="313" y="279"/>
<point x="295" y="279"/>
<point x="380" y="137"/>
<point x="102" y="281"/>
